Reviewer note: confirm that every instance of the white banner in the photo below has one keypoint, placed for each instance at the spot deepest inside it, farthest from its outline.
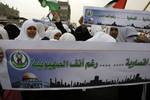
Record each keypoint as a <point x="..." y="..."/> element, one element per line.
<point x="46" y="65"/>
<point x="117" y="17"/>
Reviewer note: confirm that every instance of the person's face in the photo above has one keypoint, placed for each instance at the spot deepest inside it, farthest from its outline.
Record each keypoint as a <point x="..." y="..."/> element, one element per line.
<point x="57" y="36"/>
<point x="114" y="32"/>
<point x="142" y="38"/>
<point x="31" y="31"/>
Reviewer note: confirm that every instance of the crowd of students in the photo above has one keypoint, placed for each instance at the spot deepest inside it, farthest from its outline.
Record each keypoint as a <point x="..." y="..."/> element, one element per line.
<point x="38" y="30"/>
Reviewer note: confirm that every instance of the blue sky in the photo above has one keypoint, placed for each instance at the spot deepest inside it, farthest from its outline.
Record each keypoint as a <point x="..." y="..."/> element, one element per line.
<point x="32" y="8"/>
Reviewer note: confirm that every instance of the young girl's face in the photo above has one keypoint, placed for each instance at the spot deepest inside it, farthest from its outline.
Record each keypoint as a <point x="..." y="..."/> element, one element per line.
<point x="31" y="31"/>
<point x="114" y="32"/>
<point x="57" y="36"/>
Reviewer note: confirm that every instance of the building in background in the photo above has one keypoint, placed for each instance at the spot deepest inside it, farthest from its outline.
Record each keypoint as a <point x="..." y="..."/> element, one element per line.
<point x="9" y="15"/>
<point x="65" y="11"/>
<point x="3" y="19"/>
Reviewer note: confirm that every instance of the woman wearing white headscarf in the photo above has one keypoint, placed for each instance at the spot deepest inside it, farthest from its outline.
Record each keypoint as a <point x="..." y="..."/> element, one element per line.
<point x="67" y="37"/>
<point x="3" y="33"/>
<point x="29" y="31"/>
<point x="6" y="94"/>
<point x="127" y="34"/>
<point x="53" y="34"/>
<point x="112" y="31"/>
<point x="41" y="29"/>
<point x="99" y="35"/>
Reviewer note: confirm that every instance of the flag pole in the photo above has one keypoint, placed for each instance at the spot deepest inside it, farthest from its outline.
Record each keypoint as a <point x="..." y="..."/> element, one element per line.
<point x="50" y="20"/>
<point x="146" y="6"/>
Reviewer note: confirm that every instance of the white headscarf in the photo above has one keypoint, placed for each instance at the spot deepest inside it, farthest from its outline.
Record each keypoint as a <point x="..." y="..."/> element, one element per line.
<point x="3" y="72"/>
<point x="102" y="37"/>
<point x="3" y="33"/>
<point x="127" y="34"/>
<point x="23" y="34"/>
<point x="95" y="29"/>
<point x="108" y="28"/>
<point x="67" y="37"/>
<point x="41" y="29"/>
<point x="50" y="33"/>
<point x="51" y="28"/>
<point x="99" y="35"/>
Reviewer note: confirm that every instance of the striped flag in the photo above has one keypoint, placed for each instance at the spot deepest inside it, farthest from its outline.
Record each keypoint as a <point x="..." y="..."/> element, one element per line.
<point x="52" y="4"/>
<point x="120" y="4"/>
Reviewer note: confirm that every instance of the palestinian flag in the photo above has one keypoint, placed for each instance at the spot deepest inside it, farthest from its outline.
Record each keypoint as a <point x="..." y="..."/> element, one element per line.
<point x="120" y="4"/>
<point x="52" y="4"/>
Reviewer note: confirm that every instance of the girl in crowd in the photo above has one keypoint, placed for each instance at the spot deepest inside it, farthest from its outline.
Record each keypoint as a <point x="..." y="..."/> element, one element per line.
<point x="99" y="35"/>
<point x="143" y="37"/>
<point x="112" y="31"/>
<point x="127" y="34"/>
<point x="41" y="30"/>
<point x="53" y="33"/>
<point x="29" y="31"/>
<point x="67" y="37"/>
<point x="6" y="94"/>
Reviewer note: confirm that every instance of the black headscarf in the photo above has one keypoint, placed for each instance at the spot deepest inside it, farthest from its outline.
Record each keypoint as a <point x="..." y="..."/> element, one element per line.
<point x="12" y="30"/>
<point x="82" y="33"/>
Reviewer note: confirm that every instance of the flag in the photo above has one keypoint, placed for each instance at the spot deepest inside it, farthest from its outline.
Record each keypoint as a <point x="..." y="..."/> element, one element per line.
<point x="120" y="4"/>
<point x="52" y="4"/>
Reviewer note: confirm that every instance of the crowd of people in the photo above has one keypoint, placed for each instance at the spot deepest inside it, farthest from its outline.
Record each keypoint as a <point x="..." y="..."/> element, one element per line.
<point x="33" y="29"/>
<point x="38" y="30"/>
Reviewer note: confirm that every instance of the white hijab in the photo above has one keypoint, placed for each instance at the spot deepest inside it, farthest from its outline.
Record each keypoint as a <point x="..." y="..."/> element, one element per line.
<point x="95" y="29"/>
<point x="3" y="72"/>
<point x="23" y="34"/>
<point x="127" y="34"/>
<point x="41" y="29"/>
<point x="102" y="37"/>
<point x="108" y="28"/>
<point x="67" y="37"/>
<point x="99" y="35"/>
<point x="3" y="33"/>
<point x="50" y="33"/>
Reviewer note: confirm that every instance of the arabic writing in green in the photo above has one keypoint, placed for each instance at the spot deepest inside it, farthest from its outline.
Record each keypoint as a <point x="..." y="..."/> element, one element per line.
<point x="133" y="63"/>
<point x="65" y="63"/>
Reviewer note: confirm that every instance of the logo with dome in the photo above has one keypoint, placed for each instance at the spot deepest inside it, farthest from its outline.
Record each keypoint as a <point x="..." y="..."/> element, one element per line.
<point x="19" y="60"/>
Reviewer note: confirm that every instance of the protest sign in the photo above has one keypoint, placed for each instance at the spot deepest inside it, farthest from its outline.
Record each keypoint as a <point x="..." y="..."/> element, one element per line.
<point x="45" y="65"/>
<point x="117" y="17"/>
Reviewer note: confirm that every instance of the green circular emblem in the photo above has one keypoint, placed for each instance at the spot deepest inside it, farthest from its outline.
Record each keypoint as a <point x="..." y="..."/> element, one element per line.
<point x="19" y="60"/>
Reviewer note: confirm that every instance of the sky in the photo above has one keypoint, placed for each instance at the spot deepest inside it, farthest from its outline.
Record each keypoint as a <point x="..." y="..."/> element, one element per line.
<point x="33" y="9"/>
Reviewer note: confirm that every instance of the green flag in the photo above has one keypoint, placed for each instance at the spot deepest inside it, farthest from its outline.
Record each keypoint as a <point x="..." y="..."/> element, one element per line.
<point x="52" y="4"/>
